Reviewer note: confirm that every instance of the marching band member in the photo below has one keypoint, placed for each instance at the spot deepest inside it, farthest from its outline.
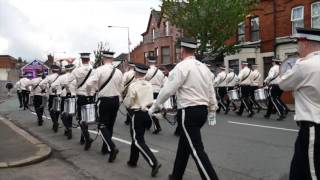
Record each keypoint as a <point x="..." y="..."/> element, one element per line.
<point x="231" y="81"/>
<point x="256" y="83"/>
<point x="108" y="81"/>
<point x="24" y="91"/>
<point x="46" y="83"/>
<point x="138" y="99"/>
<point x="220" y="84"/>
<point x="19" y="91"/>
<point x="81" y="75"/>
<point x="192" y="83"/>
<point x="303" y="79"/>
<point x="245" y="81"/>
<point x="128" y="78"/>
<point x="274" y="91"/>
<point x="156" y="78"/>
<point x="37" y="96"/>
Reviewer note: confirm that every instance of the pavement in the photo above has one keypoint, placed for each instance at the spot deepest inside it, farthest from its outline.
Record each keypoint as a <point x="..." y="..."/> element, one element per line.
<point x="239" y="148"/>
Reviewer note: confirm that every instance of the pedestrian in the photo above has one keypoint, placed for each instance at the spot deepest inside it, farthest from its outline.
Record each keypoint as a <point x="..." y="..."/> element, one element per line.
<point x="81" y="75"/>
<point x="156" y="78"/>
<point x="274" y="91"/>
<point x="192" y="83"/>
<point x="9" y="86"/>
<point x="138" y="99"/>
<point x="107" y="80"/>
<point x="19" y="91"/>
<point x="245" y="82"/>
<point x="303" y="79"/>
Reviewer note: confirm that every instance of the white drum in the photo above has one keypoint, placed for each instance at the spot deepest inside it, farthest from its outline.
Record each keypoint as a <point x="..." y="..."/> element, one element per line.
<point x="260" y="94"/>
<point x="170" y="104"/>
<point x="69" y="106"/>
<point x="88" y="113"/>
<point x="56" y="104"/>
<point x="233" y="95"/>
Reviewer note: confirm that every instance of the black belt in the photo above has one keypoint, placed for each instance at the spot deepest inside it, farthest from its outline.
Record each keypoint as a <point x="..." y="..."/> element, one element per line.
<point x="306" y="124"/>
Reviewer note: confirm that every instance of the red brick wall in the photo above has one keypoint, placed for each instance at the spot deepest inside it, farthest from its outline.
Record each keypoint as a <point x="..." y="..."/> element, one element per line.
<point x="307" y="46"/>
<point x="7" y="62"/>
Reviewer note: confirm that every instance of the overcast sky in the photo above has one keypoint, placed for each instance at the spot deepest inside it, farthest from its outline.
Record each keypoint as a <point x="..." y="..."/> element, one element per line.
<point x="34" y="28"/>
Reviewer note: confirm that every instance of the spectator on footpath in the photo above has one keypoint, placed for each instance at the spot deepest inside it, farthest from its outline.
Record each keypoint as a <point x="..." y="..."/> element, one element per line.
<point x="9" y="86"/>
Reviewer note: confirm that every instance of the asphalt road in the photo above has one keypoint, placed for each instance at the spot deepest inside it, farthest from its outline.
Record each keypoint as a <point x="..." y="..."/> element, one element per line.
<point x="239" y="148"/>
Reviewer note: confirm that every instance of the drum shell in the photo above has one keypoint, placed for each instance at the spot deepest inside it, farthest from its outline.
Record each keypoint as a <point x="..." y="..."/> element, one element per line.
<point x="88" y="113"/>
<point x="56" y="105"/>
<point x="260" y="94"/>
<point x="233" y="95"/>
<point x="70" y="106"/>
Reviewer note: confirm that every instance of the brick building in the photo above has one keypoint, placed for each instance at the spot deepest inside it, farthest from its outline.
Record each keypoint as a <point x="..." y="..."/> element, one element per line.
<point x="159" y="40"/>
<point x="8" y="68"/>
<point x="270" y="30"/>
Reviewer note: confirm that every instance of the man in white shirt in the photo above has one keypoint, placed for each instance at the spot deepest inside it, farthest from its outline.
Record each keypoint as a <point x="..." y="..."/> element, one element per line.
<point x="19" y="91"/>
<point x="231" y="82"/>
<point x="256" y="83"/>
<point x="245" y="81"/>
<point x="303" y="80"/>
<point x="274" y="91"/>
<point x="25" y="91"/>
<point x="108" y="81"/>
<point x="191" y="81"/>
<point x="138" y="99"/>
<point x="128" y="78"/>
<point x="220" y="84"/>
<point x="156" y="77"/>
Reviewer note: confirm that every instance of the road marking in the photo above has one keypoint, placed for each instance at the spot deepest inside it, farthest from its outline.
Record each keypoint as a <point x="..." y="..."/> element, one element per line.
<point x="261" y="126"/>
<point x="114" y="138"/>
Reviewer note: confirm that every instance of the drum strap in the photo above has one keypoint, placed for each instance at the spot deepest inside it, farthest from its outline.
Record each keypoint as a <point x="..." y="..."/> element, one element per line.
<point x="274" y="78"/>
<point x="256" y="77"/>
<point x="129" y="82"/>
<point x="234" y="75"/>
<point x="53" y="81"/>
<point x="85" y="79"/>
<point x="37" y="85"/>
<point x="223" y="79"/>
<point x="154" y="74"/>
<point x="108" y="80"/>
<point x="246" y="76"/>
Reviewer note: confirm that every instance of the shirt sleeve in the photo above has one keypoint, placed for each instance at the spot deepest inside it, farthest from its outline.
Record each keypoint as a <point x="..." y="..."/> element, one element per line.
<point x="92" y="82"/>
<point x="213" y="105"/>
<point x="292" y="79"/>
<point x="217" y="80"/>
<point x="271" y="75"/>
<point x="44" y="83"/>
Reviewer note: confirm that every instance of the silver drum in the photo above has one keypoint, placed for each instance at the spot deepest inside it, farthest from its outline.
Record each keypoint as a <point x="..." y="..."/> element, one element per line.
<point x="70" y="106"/>
<point x="234" y="95"/>
<point x="260" y="94"/>
<point x="88" y="113"/>
<point x="56" y="104"/>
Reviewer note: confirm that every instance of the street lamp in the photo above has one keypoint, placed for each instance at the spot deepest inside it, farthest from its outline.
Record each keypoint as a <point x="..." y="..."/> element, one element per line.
<point x="124" y="27"/>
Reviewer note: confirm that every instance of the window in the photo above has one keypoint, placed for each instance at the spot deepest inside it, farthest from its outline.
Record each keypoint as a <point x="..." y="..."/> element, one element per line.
<point x="297" y="18"/>
<point x="151" y="53"/>
<point x="167" y="28"/>
<point x="251" y="60"/>
<point x="145" y="57"/>
<point x="315" y="15"/>
<point x="241" y="32"/>
<point x="165" y="53"/>
<point x="156" y="51"/>
<point x="255" y="34"/>
<point x="178" y="55"/>
<point x="153" y="34"/>
<point x="234" y="64"/>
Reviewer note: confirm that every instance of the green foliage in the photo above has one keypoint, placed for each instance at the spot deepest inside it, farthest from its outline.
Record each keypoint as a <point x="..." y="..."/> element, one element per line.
<point x="102" y="46"/>
<point x="212" y="22"/>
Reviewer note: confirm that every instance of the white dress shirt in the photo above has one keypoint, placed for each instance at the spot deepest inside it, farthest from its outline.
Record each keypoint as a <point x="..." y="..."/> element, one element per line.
<point x="256" y="81"/>
<point x="58" y="87"/>
<point x="34" y="85"/>
<point x="127" y="76"/>
<point x="245" y="76"/>
<point x="23" y="83"/>
<point x="79" y="74"/>
<point x="220" y="80"/>
<point x="273" y="75"/>
<point x="18" y="85"/>
<point x="47" y="82"/>
<point x="191" y="81"/>
<point x="69" y="86"/>
<point x="232" y="79"/>
<point x="157" y="81"/>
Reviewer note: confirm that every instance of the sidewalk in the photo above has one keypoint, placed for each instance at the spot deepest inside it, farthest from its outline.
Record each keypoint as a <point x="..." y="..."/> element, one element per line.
<point x="18" y="148"/>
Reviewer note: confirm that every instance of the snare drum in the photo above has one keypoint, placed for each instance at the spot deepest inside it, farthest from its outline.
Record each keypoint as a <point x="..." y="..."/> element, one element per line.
<point x="69" y="106"/>
<point x="56" y="104"/>
<point x="170" y="104"/>
<point x="234" y="95"/>
<point x="88" y="113"/>
<point x="260" y="94"/>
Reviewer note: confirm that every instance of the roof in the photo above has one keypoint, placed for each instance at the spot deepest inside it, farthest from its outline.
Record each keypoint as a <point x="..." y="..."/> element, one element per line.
<point x="121" y="57"/>
<point x="154" y="14"/>
<point x="33" y="62"/>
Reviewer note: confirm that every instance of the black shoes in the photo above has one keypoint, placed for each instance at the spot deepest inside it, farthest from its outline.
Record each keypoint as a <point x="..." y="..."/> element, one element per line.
<point x="251" y="114"/>
<point x="131" y="164"/>
<point x="104" y="150"/>
<point x="40" y="122"/>
<point x="157" y="131"/>
<point x="267" y="116"/>
<point x="55" y="127"/>
<point x="281" y="118"/>
<point x="239" y="113"/>
<point x="155" y="170"/>
<point x="87" y="145"/>
<point x="69" y="134"/>
<point x="82" y="141"/>
<point x="113" y="155"/>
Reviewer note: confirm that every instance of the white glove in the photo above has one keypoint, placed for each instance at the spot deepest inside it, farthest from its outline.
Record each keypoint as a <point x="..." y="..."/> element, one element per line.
<point x="212" y="119"/>
<point x="153" y="109"/>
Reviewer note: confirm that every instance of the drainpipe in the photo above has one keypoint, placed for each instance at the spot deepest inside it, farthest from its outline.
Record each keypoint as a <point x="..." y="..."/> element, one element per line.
<point x="274" y="28"/>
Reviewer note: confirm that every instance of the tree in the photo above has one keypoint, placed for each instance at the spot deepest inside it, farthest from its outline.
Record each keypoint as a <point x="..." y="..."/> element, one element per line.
<point x="211" y="22"/>
<point x="102" y="46"/>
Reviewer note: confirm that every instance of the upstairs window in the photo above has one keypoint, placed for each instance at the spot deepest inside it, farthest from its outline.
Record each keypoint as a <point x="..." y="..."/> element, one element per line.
<point x="315" y="15"/>
<point x="167" y="28"/>
<point x="153" y="34"/>
<point x="255" y="29"/>
<point x="297" y="18"/>
<point x="241" y="32"/>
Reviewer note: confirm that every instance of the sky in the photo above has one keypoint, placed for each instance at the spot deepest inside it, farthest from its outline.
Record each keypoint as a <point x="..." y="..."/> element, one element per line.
<point x="32" y="29"/>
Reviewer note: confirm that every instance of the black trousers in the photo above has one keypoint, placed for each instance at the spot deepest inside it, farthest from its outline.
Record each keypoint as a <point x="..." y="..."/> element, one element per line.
<point x="140" y="120"/>
<point x="37" y="102"/>
<point x="25" y="98"/>
<point x="19" y="94"/>
<point x="229" y="101"/>
<point x="274" y="94"/>
<point x="129" y="115"/>
<point x="245" y="99"/>
<point x="154" y="119"/>
<point x="305" y="164"/>
<point x="222" y="92"/>
<point x="253" y="100"/>
<point x="66" y="118"/>
<point x="190" y="142"/>
<point x="54" y="115"/>
<point x="83" y="100"/>
<point x="108" y="110"/>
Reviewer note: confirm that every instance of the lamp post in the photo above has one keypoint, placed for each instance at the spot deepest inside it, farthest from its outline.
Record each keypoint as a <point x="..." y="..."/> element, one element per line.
<point x="124" y="27"/>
